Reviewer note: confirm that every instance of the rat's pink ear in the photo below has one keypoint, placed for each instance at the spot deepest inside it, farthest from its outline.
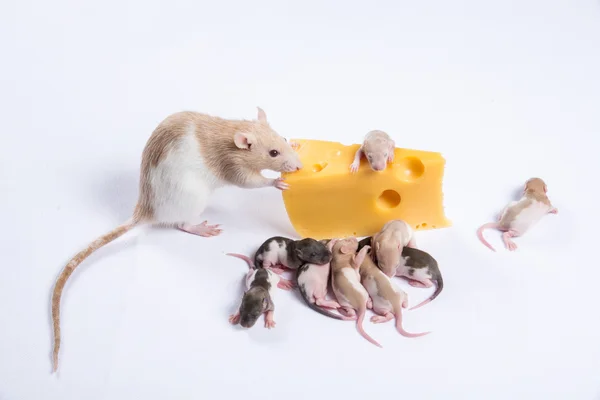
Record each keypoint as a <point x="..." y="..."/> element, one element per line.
<point x="346" y="249"/>
<point x="262" y="115"/>
<point x="243" y="140"/>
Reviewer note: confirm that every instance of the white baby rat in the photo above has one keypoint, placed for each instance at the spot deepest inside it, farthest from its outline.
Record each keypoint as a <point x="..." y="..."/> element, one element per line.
<point x="519" y="216"/>
<point x="378" y="147"/>
<point x="186" y="158"/>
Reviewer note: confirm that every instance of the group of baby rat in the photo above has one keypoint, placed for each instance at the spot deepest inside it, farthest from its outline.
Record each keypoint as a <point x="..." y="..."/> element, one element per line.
<point x="190" y="155"/>
<point x="359" y="273"/>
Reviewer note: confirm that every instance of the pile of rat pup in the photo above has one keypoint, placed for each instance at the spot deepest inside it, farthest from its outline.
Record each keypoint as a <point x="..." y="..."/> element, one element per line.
<point x="190" y="155"/>
<point x="358" y="272"/>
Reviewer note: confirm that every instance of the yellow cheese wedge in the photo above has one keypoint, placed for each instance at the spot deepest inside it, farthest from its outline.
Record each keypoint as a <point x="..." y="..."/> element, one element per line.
<point x="326" y="200"/>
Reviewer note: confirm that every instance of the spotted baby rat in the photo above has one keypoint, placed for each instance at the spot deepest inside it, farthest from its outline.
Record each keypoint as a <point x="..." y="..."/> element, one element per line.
<point x="187" y="157"/>
<point x="378" y="147"/>
<point x="389" y="242"/>
<point x="351" y="295"/>
<point x="519" y="216"/>
<point x="258" y="298"/>
<point x="388" y="299"/>
<point x="313" y="282"/>
<point x="418" y="267"/>
<point x="280" y="253"/>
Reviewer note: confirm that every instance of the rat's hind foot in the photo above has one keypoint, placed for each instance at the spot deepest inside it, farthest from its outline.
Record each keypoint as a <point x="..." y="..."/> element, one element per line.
<point x="285" y="284"/>
<point x="378" y="319"/>
<point x="370" y="303"/>
<point x="553" y="211"/>
<point x="202" y="229"/>
<point x="417" y="284"/>
<point x="510" y="245"/>
<point x="327" y="303"/>
<point x="277" y="270"/>
<point x="234" y="318"/>
<point x="269" y="322"/>
<point x="347" y="312"/>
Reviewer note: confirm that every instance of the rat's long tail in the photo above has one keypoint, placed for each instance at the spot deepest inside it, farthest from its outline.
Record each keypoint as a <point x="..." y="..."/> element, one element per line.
<point x="439" y="283"/>
<point x="359" y="325"/>
<point x="243" y="257"/>
<point x="68" y="270"/>
<point x="480" y="233"/>
<point x="400" y="329"/>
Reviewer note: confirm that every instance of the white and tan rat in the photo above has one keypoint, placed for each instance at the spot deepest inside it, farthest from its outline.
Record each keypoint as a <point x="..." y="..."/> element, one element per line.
<point x="186" y="158"/>
<point x="378" y="148"/>
<point x="519" y="216"/>
<point x="345" y="280"/>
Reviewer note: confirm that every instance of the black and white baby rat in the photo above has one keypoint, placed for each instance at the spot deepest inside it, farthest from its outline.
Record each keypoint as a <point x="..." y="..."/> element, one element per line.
<point x="258" y="298"/>
<point x="280" y="253"/>
<point x="188" y="156"/>
<point x="417" y="266"/>
<point x="313" y="283"/>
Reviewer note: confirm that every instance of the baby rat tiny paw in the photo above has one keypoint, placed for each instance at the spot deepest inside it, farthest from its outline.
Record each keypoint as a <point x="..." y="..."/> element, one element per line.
<point x="234" y="319"/>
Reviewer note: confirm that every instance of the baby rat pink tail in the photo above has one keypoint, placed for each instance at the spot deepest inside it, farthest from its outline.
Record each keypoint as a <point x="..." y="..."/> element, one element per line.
<point x="359" y="325"/>
<point x="243" y="257"/>
<point x="68" y="270"/>
<point x="401" y="329"/>
<point x="480" y="233"/>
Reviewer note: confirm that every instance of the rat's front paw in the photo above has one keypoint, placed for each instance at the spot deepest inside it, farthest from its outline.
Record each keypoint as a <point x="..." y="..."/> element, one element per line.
<point x="554" y="211"/>
<point x="280" y="184"/>
<point x="354" y="167"/>
<point x="294" y="145"/>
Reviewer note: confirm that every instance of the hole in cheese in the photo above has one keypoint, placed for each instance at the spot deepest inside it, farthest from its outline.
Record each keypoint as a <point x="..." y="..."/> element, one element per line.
<point x="410" y="168"/>
<point x="389" y="199"/>
<point x="319" y="167"/>
<point x="424" y="225"/>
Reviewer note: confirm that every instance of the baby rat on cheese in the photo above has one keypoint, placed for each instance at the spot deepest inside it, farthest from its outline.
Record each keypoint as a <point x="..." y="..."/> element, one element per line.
<point x="187" y="157"/>
<point x="378" y="147"/>
<point x="519" y="216"/>
<point x="351" y="295"/>
<point x="388" y="299"/>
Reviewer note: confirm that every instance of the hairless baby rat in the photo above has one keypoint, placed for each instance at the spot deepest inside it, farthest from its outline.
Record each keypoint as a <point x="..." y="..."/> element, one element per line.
<point x="186" y="158"/>
<point x="518" y="216"/>
<point x="378" y="147"/>
<point x="388" y="299"/>
<point x="280" y="252"/>
<point x="351" y="295"/>
<point x="389" y="242"/>
<point x="258" y="298"/>
<point x="313" y="281"/>
<point x="418" y="267"/>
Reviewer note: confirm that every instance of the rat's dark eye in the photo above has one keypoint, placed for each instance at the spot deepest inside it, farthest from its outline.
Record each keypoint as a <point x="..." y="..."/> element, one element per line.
<point x="273" y="153"/>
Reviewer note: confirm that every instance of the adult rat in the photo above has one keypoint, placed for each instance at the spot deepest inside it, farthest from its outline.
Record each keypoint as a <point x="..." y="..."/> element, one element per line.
<point x="519" y="216"/>
<point x="187" y="157"/>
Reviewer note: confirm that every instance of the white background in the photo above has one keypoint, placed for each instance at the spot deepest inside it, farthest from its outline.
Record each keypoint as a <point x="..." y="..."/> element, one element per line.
<point x="506" y="90"/>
